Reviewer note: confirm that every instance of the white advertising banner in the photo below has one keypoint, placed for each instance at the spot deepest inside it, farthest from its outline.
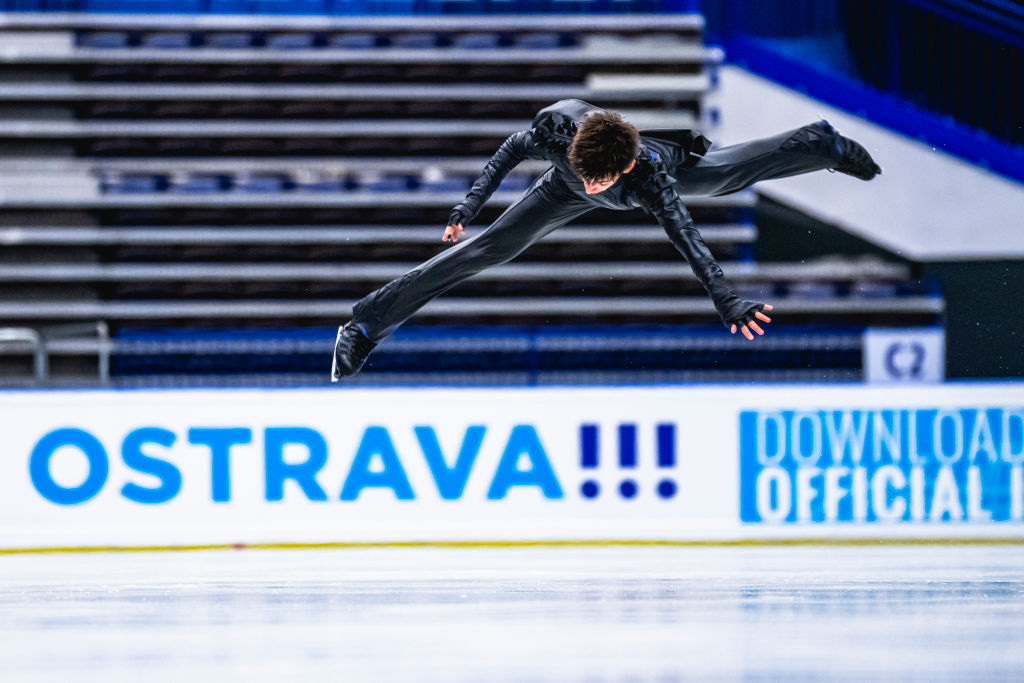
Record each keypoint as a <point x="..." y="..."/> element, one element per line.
<point x="131" y="468"/>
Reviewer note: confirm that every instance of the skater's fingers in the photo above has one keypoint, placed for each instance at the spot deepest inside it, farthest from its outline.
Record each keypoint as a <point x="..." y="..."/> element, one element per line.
<point x="452" y="232"/>
<point x="762" y="317"/>
<point x="755" y="327"/>
<point x="732" y="329"/>
<point x="768" y="307"/>
<point x="746" y="333"/>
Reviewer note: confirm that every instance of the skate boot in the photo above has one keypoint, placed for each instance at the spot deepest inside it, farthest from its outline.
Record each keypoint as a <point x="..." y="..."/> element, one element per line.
<point x="850" y="156"/>
<point x="350" y="351"/>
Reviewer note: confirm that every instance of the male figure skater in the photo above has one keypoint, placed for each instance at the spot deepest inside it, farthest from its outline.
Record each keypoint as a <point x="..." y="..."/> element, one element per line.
<point x="600" y="160"/>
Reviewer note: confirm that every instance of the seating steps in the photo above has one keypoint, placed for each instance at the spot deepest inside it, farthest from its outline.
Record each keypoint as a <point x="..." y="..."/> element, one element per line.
<point x="245" y="179"/>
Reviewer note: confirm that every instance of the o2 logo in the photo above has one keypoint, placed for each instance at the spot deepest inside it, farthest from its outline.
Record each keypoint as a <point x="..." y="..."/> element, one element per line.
<point x="905" y="360"/>
<point x="910" y="356"/>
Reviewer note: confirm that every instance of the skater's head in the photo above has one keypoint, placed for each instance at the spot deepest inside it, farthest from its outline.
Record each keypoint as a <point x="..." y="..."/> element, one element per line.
<point x="605" y="147"/>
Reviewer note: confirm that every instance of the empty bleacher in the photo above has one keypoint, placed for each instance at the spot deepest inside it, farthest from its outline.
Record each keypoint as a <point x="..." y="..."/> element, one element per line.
<point x="216" y="191"/>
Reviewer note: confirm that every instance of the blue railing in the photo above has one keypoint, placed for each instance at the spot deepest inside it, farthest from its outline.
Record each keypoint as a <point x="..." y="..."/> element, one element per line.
<point x="945" y="71"/>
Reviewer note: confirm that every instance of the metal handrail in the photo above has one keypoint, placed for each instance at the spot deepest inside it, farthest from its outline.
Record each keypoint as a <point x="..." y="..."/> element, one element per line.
<point x="43" y="343"/>
<point x="25" y="335"/>
<point x="103" y="342"/>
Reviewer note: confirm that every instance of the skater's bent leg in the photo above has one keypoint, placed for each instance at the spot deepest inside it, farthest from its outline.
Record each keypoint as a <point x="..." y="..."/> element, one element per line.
<point x="545" y="207"/>
<point x="736" y="167"/>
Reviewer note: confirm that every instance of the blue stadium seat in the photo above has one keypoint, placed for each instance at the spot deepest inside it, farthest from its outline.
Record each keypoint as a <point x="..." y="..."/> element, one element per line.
<point x="477" y="41"/>
<point x="105" y="40"/>
<point x="259" y="183"/>
<point x="312" y="181"/>
<point x="353" y="41"/>
<point x="230" y="40"/>
<point x="539" y="41"/>
<point x="199" y="183"/>
<point x="447" y="184"/>
<point x="291" y="41"/>
<point x="415" y="41"/>
<point x="387" y="182"/>
<point x="116" y="182"/>
<point x="167" y="40"/>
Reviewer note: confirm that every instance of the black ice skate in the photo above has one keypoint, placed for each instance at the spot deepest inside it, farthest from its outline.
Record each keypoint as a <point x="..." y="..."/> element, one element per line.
<point x="851" y="157"/>
<point x="350" y="351"/>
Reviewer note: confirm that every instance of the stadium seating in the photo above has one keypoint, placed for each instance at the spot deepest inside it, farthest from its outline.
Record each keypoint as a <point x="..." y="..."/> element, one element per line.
<point x="218" y="193"/>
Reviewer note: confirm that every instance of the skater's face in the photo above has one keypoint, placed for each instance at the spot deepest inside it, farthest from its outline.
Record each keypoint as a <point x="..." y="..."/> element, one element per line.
<point x="595" y="186"/>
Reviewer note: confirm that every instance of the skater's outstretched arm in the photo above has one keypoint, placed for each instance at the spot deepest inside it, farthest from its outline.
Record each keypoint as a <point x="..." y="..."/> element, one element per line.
<point x="660" y="200"/>
<point x="516" y="149"/>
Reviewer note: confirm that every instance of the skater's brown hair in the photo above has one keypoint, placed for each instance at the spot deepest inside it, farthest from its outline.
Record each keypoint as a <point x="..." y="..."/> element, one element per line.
<point x="604" y="146"/>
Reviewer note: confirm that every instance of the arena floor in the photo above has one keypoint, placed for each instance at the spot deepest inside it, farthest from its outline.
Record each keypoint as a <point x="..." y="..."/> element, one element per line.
<point x="535" y="614"/>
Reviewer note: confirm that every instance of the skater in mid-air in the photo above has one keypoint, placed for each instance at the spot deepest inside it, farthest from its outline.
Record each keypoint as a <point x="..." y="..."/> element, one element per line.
<point x="600" y="160"/>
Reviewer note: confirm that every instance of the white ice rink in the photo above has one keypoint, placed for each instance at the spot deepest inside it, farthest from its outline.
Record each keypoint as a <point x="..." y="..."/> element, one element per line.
<point x="535" y="614"/>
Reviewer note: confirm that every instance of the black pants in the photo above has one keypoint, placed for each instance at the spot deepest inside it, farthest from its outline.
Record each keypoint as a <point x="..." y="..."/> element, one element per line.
<point x="550" y="204"/>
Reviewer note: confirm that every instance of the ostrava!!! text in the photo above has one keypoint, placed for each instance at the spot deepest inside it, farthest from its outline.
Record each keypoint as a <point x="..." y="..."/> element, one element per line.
<point x="376" y="463"/>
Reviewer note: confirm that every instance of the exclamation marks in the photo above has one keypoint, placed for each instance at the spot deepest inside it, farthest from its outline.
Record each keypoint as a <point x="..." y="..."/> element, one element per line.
<point x="666" y="457"/>
<point x="588" y="459"/>
<point x="627" y="458"/>
<point x="665" y="438"/>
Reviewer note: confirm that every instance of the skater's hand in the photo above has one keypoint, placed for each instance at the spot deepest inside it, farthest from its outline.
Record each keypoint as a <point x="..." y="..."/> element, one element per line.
<point x="453" y="232"/>
<point x="748" y="325"/>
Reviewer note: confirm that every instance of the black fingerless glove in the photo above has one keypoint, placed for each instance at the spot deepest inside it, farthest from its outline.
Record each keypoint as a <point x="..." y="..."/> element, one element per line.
<point x="736" y="311"/>
<point x="456" y="218"/>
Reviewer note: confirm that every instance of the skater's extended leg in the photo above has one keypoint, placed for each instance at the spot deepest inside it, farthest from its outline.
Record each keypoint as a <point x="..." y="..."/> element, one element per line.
<point x="815" y="147"/>
<point x="547" y="205"/>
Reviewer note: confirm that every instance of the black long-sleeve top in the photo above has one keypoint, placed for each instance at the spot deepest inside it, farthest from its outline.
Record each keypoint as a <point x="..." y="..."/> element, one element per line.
<point x="649" y="186"/>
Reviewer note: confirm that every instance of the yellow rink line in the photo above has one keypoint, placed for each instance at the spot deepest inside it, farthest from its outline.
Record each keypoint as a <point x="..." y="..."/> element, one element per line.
<point x="539" y="543"/>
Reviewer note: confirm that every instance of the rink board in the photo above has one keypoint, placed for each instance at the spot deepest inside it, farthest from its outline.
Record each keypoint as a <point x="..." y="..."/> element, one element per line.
<point x="695" y="463"/>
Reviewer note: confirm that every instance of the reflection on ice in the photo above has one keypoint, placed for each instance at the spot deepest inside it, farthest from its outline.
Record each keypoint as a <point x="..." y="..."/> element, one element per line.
<point x="615" y="614"/>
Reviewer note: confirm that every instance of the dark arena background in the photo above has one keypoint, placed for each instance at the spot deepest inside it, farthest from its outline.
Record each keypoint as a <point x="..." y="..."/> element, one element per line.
<point x="565" y="468"/>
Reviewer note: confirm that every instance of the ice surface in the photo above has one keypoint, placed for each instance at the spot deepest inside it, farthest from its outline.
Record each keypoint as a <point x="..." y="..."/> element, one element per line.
<point x="536" y="614"/>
